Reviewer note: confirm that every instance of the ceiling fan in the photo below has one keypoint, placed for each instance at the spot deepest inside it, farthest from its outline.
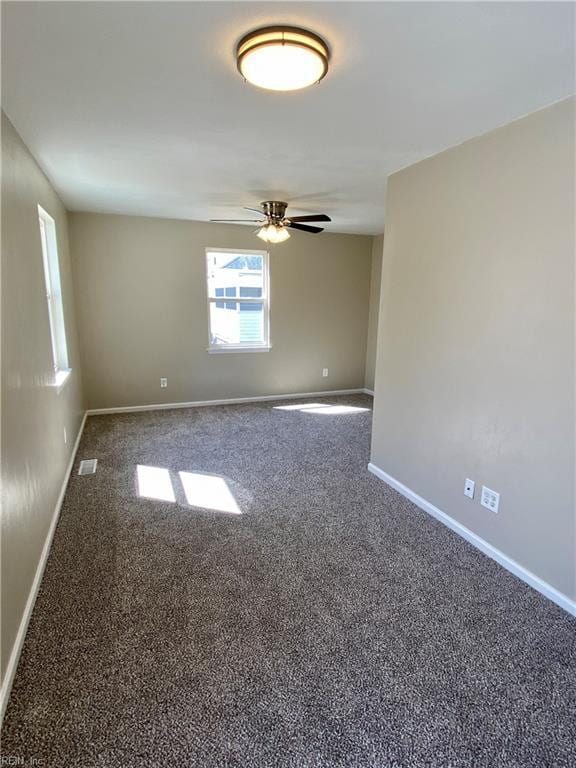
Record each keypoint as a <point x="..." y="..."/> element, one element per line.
<point x="274" y="226"/>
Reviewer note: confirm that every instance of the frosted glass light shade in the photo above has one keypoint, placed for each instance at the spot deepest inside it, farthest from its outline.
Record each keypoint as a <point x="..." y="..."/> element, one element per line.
<point x="271" y="233"/>
<point x="282" y="58"/>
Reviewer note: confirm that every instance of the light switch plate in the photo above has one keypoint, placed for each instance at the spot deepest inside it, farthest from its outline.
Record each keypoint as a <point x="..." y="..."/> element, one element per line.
<point x="490" y="499"/>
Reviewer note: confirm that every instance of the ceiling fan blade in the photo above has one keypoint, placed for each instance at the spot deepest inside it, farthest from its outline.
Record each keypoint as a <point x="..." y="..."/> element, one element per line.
<point x="256" y="210"/>
<point x="305" y="227"/>
<point x="246" y="221"/>
<point x="311" y="217"/>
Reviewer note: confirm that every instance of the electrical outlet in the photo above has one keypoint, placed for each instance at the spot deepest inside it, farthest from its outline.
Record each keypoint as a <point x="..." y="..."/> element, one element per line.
<point x="469" y="488"/>
<point x="163" y="383"/>
<point x="325" y="372"/>
<point x="490" y="499"/>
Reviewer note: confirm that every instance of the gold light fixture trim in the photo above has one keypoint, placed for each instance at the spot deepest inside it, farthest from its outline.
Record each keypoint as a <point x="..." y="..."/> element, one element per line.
<point x="282" y="58"/>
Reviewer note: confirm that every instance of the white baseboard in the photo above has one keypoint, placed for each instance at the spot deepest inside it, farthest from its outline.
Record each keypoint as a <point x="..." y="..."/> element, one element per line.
<point x="368" y="392"/>
<point x="511" y="565"/>
<point x="228" y="401"/>
<point x="21" y="634"/>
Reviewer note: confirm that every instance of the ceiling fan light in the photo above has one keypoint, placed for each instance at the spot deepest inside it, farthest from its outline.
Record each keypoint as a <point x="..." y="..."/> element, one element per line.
<point x="281" y="235"/>
<point x="271" y="233"/>
<point x="263" y="234"/>
<point x="282" y="58"/>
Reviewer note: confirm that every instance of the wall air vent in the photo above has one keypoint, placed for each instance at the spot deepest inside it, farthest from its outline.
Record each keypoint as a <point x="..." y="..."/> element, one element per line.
<point x="88" y="467"/>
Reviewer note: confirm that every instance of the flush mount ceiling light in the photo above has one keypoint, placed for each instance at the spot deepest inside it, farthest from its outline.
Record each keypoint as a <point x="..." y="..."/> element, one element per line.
<point x="282" y="58"/>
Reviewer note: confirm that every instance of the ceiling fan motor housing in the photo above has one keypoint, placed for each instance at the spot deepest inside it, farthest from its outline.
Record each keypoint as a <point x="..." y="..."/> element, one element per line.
<point x="274" y="210"/>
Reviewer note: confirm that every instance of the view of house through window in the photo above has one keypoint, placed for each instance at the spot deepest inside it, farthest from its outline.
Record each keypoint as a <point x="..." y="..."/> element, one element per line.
<point x="54" y="295"/>
<point x="238" y="298"/>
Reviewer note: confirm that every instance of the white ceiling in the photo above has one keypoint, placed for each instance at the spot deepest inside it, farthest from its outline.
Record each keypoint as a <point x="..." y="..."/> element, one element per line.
<point x="137" y="107"/>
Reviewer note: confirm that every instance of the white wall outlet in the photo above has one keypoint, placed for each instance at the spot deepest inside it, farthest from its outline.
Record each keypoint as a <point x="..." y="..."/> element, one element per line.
<point x="325" y="372"/>
<point x="490" y="499"/>
<point x="163" y="383"/>
<point x="469" y="486"/>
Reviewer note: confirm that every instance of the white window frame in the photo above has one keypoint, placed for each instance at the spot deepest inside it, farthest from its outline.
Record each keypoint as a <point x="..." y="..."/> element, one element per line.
<point x="266" y="345"/>
<point x="53" y="285"/>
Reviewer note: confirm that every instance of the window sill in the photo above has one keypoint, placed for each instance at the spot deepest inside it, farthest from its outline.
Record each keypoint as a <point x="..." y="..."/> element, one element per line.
<point x="230" y="349"/>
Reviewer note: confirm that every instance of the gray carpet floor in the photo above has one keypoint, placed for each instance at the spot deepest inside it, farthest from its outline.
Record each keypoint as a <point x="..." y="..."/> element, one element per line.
<point x="322" y="621"/>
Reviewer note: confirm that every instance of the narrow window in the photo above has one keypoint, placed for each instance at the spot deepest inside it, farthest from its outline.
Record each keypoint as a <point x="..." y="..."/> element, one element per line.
<point x="241" y="321"/>
<point x="54" y="295"/>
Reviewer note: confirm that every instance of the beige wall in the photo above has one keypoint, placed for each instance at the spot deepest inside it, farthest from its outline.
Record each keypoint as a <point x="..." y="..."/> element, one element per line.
<point x="475" y="369"/>
<point x="374" y="308"/>
<point x="34" y="412"/>
<point x="142" y="311"/>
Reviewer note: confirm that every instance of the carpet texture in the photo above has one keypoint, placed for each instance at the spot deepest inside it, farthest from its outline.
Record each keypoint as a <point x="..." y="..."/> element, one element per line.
<point x="325" y="621"/>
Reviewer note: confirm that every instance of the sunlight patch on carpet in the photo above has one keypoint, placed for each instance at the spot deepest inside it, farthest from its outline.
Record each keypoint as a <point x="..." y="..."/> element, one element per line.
<point x="155" y="483"/>
<point x="322" y="409"/>
<point x="208" y="492"/>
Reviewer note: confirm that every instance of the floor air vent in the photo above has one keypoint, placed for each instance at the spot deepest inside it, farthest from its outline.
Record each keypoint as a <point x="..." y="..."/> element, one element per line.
<point x="88" y="467"/>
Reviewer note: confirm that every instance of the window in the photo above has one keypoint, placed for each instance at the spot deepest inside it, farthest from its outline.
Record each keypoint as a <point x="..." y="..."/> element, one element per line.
<point x="237" y="300"/>
<point x="54" y="295"/>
